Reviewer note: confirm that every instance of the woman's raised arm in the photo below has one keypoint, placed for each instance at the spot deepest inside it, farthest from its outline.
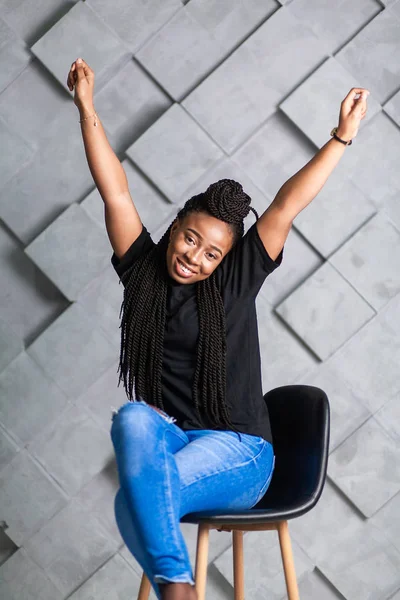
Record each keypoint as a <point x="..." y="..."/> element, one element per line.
<point x="297" y="192"/>
<point x="122" y="219"/>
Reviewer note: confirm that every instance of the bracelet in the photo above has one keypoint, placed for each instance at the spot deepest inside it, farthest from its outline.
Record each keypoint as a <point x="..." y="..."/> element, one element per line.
<point x="93" y="115"/>
<point x="333" y="134"/>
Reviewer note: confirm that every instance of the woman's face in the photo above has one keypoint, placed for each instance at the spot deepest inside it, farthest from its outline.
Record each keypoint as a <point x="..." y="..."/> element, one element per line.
<point x="199" y="242"/>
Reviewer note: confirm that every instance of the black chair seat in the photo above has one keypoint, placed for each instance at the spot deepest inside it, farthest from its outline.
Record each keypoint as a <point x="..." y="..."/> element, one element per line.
<point x="299" y="416"/>
<point x="300" y="419"/>
<point x="252" y="515"/>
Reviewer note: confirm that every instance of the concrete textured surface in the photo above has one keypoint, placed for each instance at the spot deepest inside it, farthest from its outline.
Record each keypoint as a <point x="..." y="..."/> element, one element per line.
<point x="189" y="92"/>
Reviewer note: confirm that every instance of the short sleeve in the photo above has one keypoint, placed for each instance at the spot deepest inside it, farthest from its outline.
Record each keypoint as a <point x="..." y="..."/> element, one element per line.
<point x="140" y="246"/>
<point x="245" y="267"/>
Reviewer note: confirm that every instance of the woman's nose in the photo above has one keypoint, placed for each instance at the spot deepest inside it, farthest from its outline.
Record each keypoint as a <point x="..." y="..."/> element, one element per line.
<point x="193" y="257"/>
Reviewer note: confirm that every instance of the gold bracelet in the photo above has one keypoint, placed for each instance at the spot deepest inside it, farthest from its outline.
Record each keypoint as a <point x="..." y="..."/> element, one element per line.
<point x="93" y="115"/>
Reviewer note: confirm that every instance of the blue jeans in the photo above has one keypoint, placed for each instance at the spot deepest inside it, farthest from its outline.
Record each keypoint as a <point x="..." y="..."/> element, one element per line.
<point x="166" y="472"/>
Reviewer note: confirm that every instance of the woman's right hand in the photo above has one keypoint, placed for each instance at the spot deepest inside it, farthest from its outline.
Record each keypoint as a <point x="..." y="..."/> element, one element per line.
<point x="81" y="77"/>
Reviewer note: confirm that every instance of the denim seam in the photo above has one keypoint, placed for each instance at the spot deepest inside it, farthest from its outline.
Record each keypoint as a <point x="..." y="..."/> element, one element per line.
<point x="168" y="487"/>
<point x="179" y="579"/>
<point x="226" y="470"/>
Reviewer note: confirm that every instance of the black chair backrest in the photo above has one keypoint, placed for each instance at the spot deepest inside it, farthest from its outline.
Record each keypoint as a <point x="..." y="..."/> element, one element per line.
<point x="300" y="420"/>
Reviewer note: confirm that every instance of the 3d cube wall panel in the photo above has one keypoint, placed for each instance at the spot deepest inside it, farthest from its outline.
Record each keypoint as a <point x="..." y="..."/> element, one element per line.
<point x="21" y="576"/>
<point x="231" y="107"/>
<point x="363" y="261"/>
<point x="368" y="361"/>
<point x="130" y="97"/>
<point x="328" y="225"/>
<point x="80" y="251"/>
<point x="23" y="478"/>
<point x="31" y="200"/>
<point x="31" y="20"/>
<point x="135" y="22"/>
<point x="262" y="552"/>
<point x="71" y="546"/>
<point x="374" y="54"/>
<point x="325" y="296"/>
<point x="92" y="38"/>
<point x="189" y="92"/>
<point x="14" y="56"/>
<point x="377" y="143"/>
<point x="392" y="108"/>
<point x="274" y="153"/>
<point x="348" y="410"/>
<point x="197" y="39"/>
<point x="73" y="449"/>
<point x="315" y="104"/>
<point x="369" y="478"/>
<point x="328" y="23"/>
<point x="174" y="152"/>
<point x="116" y="576"/>
<point x="21" y="384"/>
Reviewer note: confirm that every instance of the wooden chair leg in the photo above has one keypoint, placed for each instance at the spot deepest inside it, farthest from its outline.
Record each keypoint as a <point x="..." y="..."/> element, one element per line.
<point x="144" y="590"/>
<point x="238" y="570"/>
<point x="201" y="560"/>
<point x="288" y="562"/>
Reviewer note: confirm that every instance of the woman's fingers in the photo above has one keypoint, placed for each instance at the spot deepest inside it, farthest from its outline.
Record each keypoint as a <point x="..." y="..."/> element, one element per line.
<point x="87" y="70"/>
<point x="71" y="77"/>
<point x="79" y="70"/>
<point x="351" y="100"/>
<point x="361" y="106"/>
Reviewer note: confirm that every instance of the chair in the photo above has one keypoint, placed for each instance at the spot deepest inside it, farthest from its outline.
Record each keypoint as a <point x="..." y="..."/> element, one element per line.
<point x="300" y="420"/>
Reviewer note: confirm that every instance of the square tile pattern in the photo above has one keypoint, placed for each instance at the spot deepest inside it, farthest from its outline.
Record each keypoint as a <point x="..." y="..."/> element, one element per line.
<point x="94" y="41"/>
<point x="363" y="261"/>
<point x="174" y="152"/>
<point x="197" y="39"/>
<point x="313" y="106"/>
<point x="190" y="92"/>
<point x="229" y="107"/>
<point x="79" y="251"/>
<point x="325" y="325"/>
<point x="368" y="478"/>
<point x="377" y="44"/>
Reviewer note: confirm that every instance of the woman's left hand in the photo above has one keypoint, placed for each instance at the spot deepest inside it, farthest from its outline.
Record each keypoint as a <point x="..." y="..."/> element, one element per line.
<point x="352" y="110"/>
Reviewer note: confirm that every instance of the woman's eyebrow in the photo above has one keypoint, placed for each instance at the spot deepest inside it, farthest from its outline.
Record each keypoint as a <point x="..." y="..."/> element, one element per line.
<point x="199" y="236"/>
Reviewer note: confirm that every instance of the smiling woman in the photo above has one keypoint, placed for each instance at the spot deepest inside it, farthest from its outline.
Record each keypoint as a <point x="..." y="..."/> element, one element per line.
<point x="198" y="243"/>
<point x="196" y="435"/>
<point x="189" y="348"/>
<point x="201" y="236"/>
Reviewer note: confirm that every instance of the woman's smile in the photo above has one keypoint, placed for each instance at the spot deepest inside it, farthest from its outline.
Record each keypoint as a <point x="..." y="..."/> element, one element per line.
<point x="197" y="244"/>
<point x="182" y="270"/>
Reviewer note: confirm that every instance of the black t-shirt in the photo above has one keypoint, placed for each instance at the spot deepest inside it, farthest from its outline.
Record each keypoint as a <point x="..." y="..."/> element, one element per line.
<point x="239" y="277"/>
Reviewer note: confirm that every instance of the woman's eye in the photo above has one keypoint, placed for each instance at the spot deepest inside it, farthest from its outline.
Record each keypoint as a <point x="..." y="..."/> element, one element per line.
<point x="189" y="239"/>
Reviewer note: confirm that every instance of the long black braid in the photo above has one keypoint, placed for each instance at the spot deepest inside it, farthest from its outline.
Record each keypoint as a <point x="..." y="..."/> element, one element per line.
<point x="144" y="308"/>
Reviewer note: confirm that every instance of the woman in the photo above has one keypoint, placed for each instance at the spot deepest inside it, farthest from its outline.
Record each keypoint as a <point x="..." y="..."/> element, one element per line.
<point x="197" y="437"/>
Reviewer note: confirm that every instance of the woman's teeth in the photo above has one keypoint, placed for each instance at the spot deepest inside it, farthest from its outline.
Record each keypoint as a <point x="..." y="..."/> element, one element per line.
<point x="184" y="269"/>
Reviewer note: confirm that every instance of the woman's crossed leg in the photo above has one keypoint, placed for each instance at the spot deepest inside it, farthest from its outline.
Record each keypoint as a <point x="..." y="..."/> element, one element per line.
<point x="166" y="472"/>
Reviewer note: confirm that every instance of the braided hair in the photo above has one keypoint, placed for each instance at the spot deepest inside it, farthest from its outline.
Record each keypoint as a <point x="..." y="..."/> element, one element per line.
<point x="144" y="313"/>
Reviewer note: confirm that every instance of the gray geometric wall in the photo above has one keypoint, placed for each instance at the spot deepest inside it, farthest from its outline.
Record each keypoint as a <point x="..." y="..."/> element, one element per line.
<point x="190" y="92"/>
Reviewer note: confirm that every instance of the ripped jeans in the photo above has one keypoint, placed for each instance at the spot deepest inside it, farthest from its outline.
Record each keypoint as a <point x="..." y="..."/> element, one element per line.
<point x="166" y="472"/>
